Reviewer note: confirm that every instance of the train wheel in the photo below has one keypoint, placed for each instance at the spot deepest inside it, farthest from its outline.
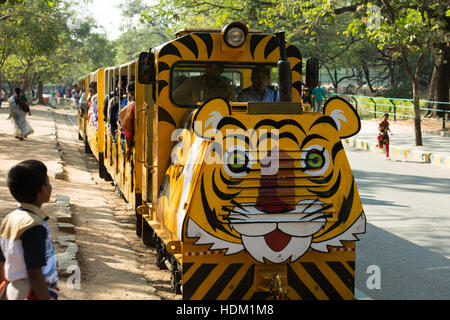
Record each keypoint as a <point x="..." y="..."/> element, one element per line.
<point x="108" y="177"/>
<point x="102" y="170"/>
<point x="139" y="225"/>
<point x="87" y="148"/>
<point x="175" y="278"/>
<point x="147" y="234"/>
<point x="160" y="254"/>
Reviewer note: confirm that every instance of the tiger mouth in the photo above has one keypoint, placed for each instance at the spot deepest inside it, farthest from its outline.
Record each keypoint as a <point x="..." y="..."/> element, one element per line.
<point x="278" y="229"/>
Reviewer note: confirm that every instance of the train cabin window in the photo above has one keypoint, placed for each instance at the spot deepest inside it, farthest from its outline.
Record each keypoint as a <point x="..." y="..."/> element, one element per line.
<point x="193" y="82"/>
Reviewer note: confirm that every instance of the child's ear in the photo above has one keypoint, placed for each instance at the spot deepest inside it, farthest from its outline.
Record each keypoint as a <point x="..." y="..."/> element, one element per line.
<point x="208" y="117"/>
<point x="344" y="115"/>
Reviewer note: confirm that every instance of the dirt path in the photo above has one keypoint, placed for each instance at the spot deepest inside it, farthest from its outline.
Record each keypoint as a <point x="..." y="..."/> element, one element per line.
<point x="113" y="261"/>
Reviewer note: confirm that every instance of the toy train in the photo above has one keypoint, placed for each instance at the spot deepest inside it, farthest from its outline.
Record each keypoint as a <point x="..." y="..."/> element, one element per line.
<point x="243" y="200"/>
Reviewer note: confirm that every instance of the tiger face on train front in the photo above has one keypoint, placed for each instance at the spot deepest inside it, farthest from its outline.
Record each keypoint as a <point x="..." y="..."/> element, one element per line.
<point x="275" y="185"/>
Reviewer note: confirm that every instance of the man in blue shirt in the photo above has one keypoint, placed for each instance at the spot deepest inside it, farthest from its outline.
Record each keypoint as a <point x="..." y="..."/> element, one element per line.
<point x="319" y="95"/>
<point x="259" y="90"/>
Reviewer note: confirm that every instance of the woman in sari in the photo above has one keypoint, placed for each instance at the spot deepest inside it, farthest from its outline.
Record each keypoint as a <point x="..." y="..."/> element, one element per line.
<point x="17" y="114"/>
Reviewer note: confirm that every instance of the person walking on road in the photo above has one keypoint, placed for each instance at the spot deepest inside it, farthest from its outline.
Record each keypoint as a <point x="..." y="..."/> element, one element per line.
<point x="18" y="108"/>
<point x="319" y="95"/>
<point x="383" y="135"/>
<point x="2" y="96"/>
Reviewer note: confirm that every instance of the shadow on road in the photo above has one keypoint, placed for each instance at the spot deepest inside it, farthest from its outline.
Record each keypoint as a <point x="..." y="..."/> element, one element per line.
<point x="408" y="271"/>
<point x="367" y="181"/>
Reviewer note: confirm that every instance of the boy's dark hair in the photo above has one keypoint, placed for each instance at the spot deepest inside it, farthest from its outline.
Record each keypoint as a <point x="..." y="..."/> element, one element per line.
<point x="26" y="179"/>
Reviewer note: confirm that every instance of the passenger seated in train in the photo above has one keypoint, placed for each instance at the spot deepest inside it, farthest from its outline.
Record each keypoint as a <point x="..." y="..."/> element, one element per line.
<point x="83" y="105"/>
<point x="126" y="119"/>
<point x="202" y="88"/>
<point x="259" y="90"/>
<point x="93" y="103"/>
<point x="113" y="109"/>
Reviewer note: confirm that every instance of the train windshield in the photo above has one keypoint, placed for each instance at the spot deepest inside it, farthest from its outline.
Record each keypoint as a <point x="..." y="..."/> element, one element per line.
<point x="193" y="83"/>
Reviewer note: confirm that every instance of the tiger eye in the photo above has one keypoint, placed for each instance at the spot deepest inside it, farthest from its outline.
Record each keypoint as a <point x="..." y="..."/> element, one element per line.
<point x="315" y="159"/>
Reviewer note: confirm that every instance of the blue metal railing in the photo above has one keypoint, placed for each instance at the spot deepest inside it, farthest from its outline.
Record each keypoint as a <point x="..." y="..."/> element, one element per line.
<point x="392" y="107"/>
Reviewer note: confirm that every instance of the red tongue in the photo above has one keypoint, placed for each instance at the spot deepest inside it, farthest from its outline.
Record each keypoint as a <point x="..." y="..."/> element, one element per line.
<point x="277" y="240"/>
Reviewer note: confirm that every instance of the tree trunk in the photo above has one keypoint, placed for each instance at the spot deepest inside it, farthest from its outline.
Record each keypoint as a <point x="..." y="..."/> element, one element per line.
<point x="414" y="78"/>
<point x="40" y="91"/>
<point x="439" y="84"/>
<point x="417" y="126"/>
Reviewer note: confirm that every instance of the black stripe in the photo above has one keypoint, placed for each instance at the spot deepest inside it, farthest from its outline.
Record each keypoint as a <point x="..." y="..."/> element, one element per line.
<point x="297" y="85"/>
<point x="164" y="116"/>
<point x="329" y="193"/>
<point x="186" y="267"/>
<point x="346" y="208"/>
<point x="321" y="280"/>
<point x="324" y="119"/>
<point x="270" y="47"/>
<point x="292" y="51"/>
<point x="267" y="135"/>
<point x="278" y="124"/>
<point x="254" y="41"/>
<point x="299" y="287"/>
<point x="351" y="264"/>
<point x="223" y="281"/>
<point x="162" y="66"/>
<point x="161" y="85"/>
<point x="343" y="274"/>
<point x="336" y="148"/>
<point x="210" y="214"/>
<point x="324" y="180"/>
<point x="207" y="40"/>
<point x="169" y="49"/>
<point x="244" y="285"/>
<point x="229" y="120"/>
<point x="196" y="280"/>
<point x="190" y="44"/>
<point x="221" y="195"/>
<point x="289" y="135"/>
<point x="298" y="68"/>
<point x="228" y="182"/>
<point x="311" y="137"/>
<point x="238" y="205"/>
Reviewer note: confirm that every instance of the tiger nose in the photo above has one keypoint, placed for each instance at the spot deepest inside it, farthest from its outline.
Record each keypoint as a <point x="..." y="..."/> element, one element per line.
<point x="272" y="196"/>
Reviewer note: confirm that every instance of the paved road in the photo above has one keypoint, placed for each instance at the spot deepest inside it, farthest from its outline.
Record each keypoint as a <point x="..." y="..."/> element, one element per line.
<point x="407" y="206"/>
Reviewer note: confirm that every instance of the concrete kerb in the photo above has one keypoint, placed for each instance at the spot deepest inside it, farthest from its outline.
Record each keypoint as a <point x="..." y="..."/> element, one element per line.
<point x="401" y="152"/>
<point x="66" y="261"/>
<point x="59" y="172"/>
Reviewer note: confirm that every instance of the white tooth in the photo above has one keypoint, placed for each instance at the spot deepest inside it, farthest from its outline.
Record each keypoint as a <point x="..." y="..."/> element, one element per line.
<point x="301" y="229"/>
<point x="246" y="210"/>
<point x="309" y="201"/>
<point x="254" y="229"/>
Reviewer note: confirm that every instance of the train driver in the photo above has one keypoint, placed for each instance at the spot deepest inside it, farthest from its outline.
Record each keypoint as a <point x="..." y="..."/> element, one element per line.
<point x="202" y="88"/>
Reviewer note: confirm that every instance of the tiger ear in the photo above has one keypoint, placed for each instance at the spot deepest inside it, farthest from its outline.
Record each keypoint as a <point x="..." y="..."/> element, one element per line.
<point x="344" y="115"/>
<point x="208" y="117"/>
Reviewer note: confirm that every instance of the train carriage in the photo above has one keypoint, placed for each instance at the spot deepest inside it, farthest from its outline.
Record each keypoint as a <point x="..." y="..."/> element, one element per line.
<point x="243" y="200"/>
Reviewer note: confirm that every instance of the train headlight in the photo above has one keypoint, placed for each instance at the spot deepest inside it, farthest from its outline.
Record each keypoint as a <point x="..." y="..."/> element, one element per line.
<point x="235" y="34"/>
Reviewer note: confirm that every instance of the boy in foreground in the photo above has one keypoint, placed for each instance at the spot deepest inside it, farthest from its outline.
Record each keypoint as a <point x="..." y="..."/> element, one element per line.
<point x="27" y="257"/>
